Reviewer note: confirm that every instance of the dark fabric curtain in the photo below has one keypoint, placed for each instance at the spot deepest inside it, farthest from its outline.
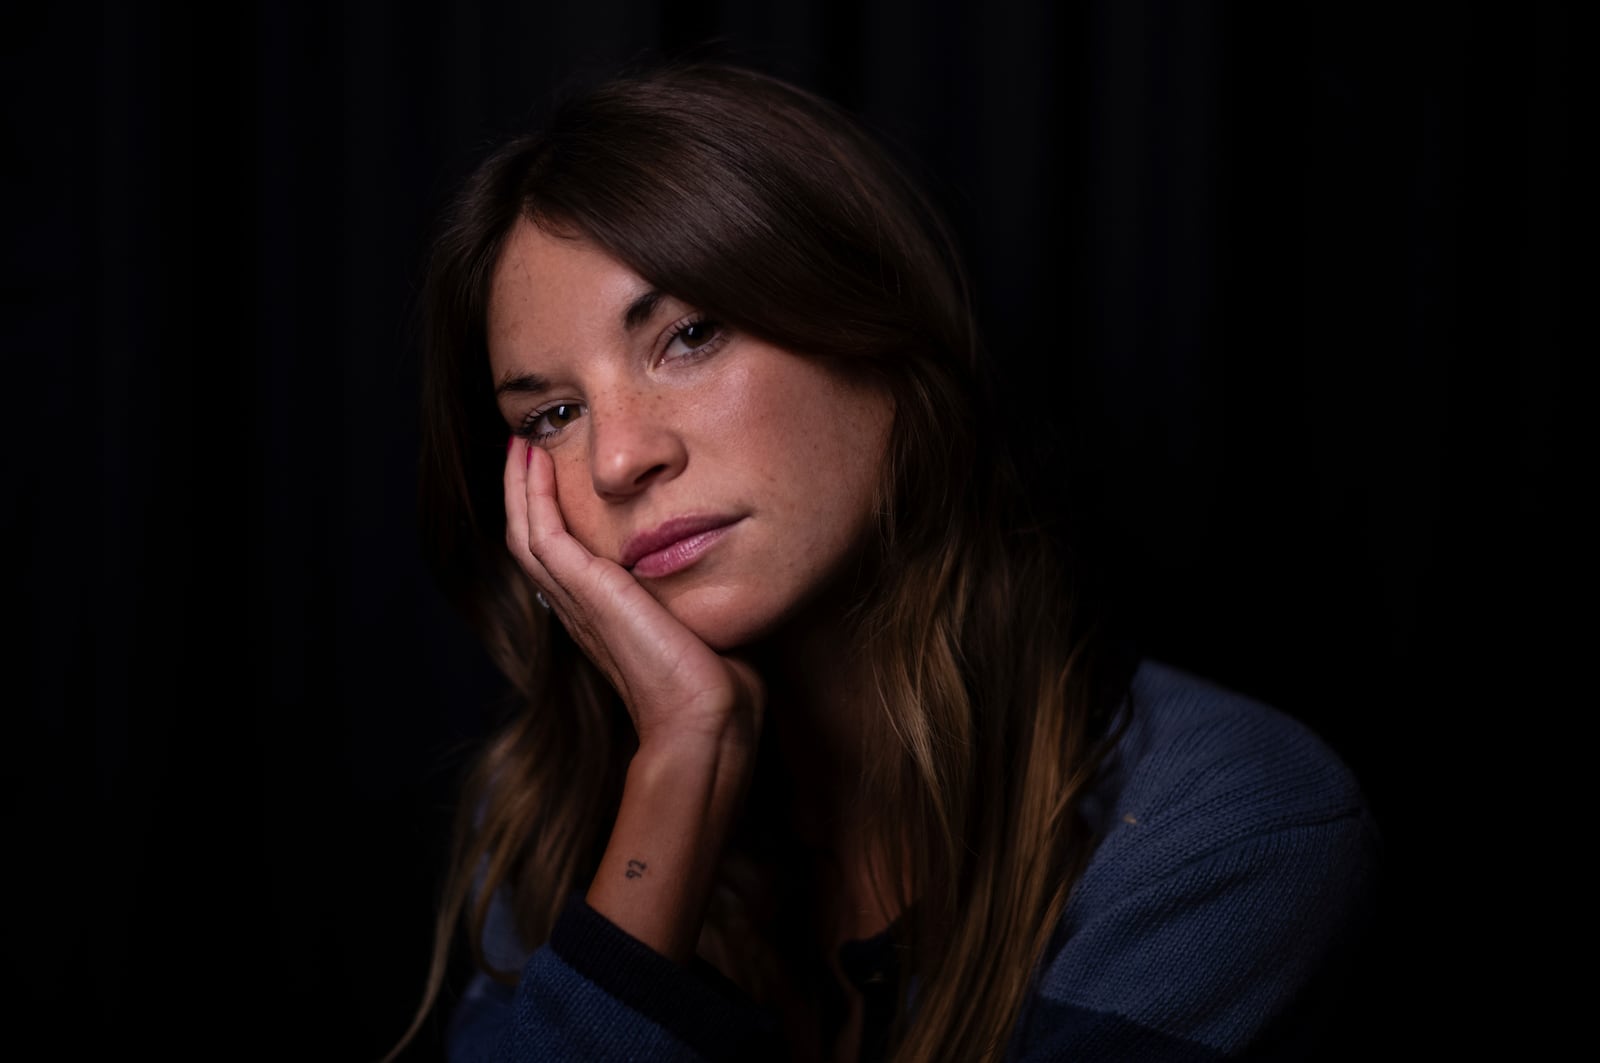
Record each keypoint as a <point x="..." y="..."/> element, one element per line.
<point x="1279" y="294"/>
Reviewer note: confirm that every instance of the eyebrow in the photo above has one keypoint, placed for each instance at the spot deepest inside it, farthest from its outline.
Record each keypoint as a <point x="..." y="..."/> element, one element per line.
<point x="522" y="384"/>
<point x="638" y="312"/>
<point x="641" y="309"/>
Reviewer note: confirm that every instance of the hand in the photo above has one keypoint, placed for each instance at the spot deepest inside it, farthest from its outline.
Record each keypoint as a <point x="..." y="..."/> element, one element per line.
<point x="674" y="686"/>
<point x="697" y="713"/>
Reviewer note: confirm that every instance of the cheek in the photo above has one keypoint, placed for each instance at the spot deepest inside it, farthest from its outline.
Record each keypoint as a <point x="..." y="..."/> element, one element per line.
<point x="824" y="442"/>
<point x="803" y="415"/>
<point x="575" y="496"/>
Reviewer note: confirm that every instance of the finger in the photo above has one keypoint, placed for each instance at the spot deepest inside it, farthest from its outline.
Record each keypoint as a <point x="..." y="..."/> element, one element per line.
<point x="562" y="556"/>
<point x="544" y="512"/>
<point x="537" y="534"/>
<point x="516" y="498"/>
<point x="532" y="513"/>
<point x="516" y="504"/>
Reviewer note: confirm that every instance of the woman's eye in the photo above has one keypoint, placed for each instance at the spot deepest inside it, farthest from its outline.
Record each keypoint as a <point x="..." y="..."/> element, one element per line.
<point x="694" y="337"/>
<point x="542" y="424"/>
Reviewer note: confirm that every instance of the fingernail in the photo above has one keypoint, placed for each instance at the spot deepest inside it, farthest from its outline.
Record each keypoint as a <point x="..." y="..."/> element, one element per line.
<point x="529" y="459"/>
<point x="511" y="441"/>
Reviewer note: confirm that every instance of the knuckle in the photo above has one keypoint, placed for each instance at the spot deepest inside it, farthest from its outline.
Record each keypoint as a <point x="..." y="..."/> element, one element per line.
<point x="538" y="542"/>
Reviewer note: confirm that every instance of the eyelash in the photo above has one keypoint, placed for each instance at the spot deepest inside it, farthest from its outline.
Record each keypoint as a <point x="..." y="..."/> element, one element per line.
<point x="719" y="336"/>
<point x="528" y="429"/>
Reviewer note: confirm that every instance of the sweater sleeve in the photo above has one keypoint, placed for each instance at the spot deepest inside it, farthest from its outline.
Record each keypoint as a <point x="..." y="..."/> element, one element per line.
<point x="1230" y="956"/>
<point x="593" y="992"/>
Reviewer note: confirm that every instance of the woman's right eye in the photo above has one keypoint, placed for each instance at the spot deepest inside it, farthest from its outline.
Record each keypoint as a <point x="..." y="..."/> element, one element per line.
<point x="549" y="422"/>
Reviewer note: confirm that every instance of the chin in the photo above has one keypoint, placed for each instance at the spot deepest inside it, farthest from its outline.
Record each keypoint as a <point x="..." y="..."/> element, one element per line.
<point x="721" y="617"/>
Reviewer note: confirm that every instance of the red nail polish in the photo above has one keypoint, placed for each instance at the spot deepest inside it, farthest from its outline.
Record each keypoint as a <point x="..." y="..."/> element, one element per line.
<point x="527" y="461"/>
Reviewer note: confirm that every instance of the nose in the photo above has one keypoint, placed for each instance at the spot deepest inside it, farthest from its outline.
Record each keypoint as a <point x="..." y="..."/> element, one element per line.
<point x="632" y="446"/>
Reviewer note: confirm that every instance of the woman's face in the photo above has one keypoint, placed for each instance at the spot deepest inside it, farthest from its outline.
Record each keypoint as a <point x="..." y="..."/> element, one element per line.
<point x="733" y="478"/>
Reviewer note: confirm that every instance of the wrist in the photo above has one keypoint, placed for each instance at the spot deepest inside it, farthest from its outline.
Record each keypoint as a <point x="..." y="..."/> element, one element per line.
<point x="679" y="800"/>
<point x="704" y="776"/>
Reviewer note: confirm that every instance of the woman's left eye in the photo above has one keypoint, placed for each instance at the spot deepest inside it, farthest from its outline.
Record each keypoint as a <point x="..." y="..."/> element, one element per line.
<point x="696" y="336"/>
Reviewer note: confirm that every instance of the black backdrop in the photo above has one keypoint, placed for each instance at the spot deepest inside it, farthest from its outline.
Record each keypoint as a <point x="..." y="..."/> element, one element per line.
<point x="1280" y="292"/>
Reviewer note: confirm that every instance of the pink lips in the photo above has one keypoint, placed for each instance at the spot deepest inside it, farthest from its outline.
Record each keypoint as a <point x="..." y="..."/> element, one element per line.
<point x="673" y="545"/>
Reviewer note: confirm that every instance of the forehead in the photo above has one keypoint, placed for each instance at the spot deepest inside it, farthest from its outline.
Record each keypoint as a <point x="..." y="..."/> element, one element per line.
<point x="549" y="287"/>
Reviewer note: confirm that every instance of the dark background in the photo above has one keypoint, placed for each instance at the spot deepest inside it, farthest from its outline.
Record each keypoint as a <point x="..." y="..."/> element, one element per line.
<point x="1280" y="293"/>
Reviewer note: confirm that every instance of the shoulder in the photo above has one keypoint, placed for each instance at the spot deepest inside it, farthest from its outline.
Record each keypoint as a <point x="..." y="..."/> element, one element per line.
<point x="1236" y="859"/>
<point x="1200" y="766"/>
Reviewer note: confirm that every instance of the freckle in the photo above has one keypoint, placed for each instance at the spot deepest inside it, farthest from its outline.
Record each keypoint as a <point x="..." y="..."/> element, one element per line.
<point x="1127" y="817"/>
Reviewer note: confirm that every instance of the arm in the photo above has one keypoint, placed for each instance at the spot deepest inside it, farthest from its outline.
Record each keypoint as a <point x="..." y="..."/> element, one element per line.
<point x="1233" y="955"/>
<point x="613" y="981"/>
<point x="594" y="992"/>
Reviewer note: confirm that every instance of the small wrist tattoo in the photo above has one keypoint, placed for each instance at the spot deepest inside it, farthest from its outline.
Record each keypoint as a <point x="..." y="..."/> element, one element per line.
<point x="635" y="869"/>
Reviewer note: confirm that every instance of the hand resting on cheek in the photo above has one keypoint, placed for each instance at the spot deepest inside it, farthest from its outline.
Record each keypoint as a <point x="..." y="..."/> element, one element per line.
<point x="697" y="714"/>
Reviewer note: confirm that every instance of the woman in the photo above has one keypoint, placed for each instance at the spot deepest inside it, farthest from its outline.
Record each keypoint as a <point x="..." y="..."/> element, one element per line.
<point x="814" y="755"/>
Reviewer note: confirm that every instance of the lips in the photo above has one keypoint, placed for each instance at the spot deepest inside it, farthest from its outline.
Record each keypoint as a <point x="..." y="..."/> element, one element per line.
<point x="674" y="544"/>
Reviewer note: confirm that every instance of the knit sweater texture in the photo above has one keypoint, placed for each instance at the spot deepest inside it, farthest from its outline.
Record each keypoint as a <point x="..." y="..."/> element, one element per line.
<point x="1235" y="868"/>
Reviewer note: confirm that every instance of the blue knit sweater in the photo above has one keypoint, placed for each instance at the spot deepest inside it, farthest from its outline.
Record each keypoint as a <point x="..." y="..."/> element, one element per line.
<point x="1236" y="862"/>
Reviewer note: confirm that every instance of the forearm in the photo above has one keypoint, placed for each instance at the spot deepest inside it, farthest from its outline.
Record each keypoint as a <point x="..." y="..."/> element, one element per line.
<point x="678" y="803"/>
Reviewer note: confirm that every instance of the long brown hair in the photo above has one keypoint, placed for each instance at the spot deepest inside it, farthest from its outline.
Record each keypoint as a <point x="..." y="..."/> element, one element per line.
<point x="771" y="210"/>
